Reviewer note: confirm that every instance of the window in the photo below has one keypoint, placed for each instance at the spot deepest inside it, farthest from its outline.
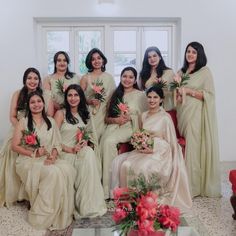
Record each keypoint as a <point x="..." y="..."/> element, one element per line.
<point x="123" y="42"/>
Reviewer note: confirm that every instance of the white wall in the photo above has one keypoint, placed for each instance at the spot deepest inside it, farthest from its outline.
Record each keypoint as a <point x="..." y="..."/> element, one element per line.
<point x="210" y="22"/>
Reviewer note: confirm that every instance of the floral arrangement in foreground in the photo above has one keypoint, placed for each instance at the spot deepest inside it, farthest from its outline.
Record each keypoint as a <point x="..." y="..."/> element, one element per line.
<point x="141" y="140"/>
<point x="30" y="139"/>
<point x="137" y="208"/>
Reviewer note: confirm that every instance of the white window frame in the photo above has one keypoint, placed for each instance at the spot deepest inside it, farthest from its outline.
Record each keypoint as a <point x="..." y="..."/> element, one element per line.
<point x="108" y="24"/>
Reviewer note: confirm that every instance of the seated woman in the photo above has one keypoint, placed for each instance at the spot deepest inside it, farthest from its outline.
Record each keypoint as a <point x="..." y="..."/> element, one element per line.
<point x="73" y="121"/>
<point x="48" y="182"/>
<point x="10" y="184"/>
<point x="165" y="159"/>
<point x="121" y="121"/>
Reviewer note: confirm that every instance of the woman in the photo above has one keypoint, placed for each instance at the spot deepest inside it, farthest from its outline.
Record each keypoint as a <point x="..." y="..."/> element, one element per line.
<point x="153" y="71"/>
<point x="89" y="197"/>
<point x="47" y="181"/>
<point x="97" y="76"/>
<point x="197" y="123"/>
<point x="55" y="84"/>
<point x="164" y="159"/>
<point x="10" y="184"/>
<point x="121" y="124"/>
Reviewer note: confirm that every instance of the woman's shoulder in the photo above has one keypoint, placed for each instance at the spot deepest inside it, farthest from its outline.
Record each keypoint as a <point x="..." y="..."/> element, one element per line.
<point x="16" y="93"/>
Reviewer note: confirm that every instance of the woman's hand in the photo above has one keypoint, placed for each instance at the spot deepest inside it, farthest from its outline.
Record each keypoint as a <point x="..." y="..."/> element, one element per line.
<point x="94" y="102"/>
<point x="80" y="145"/>
<point x="50" y="160"/>
<point x="41" y="151"/>
<point x="147" y="150"/>
<point x="123" y="119"/>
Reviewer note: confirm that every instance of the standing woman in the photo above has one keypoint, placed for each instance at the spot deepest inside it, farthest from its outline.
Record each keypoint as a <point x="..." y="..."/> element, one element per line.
<point x="96" y="64"/>
<point x="48" y="182"/>
<point x="9" y="181"/>
<point x="154" y="70"/>
<point x="89" y="197"/>
<point x="197" y="123"/>
<point x="54" y="85"/>
<point x="121" y="124"/>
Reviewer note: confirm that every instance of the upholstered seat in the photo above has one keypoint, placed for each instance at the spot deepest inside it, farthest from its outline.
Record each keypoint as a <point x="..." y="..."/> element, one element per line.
<point x="232" y="179"/>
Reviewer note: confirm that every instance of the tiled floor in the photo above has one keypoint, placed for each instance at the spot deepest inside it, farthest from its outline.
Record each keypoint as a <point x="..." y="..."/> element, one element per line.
<point x="214" y="215"/>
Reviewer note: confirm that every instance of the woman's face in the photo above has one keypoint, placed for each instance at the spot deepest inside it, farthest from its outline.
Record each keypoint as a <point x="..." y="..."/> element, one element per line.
<point x="153" y="59"/>
<point x="61" y="63"/>
<point x="191" y="55"/>
<point x="128" y="79"/>
<point x="36" y="104"/>
<point x="97" y="61"/>
<point x="32" y="81"/>
<point x="154" y="100"/>
<point x="73" y="98"/>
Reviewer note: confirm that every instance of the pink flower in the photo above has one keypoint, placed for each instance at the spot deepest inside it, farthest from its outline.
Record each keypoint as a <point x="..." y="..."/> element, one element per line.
<point x="123" y="107"/>
<point x="142" y="212"/>
<point x="64" y="88"/>
<point x="119" y="215"/>
<point x="30" y="139"/>
<point x="97" y="89"/>
<point x="146" y="226"/>
<point x="120" y="192"/>
<point x="169" y="217"/>
<point x="79" y="135"/>
<point x="149" y="201"/>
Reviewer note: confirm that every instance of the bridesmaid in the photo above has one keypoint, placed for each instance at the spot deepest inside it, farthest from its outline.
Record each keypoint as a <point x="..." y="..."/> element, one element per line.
<point x="89" y="197"/>
<point x="54" y="85"/>
<point x="96" y="64"/>
<point x="9" y="181"/>
<point x="120" y="124"/>
<point x="164" y="159"/>
<point x="153" y="70"/>
<point x="47" y="181"/>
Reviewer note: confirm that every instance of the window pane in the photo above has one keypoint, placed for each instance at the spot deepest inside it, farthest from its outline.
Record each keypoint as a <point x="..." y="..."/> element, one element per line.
<point x="88" y="40"/>
<point x="57" y="41"/>
<point x="120" y="62"/>
<point x="156" y="38"/>
<point x="81" y="65"/>
<point x="124" y="41"/>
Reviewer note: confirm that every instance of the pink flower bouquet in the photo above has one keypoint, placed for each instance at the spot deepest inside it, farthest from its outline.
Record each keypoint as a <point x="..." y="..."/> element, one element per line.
<point x="121" y="108"/>
<point x="142" y="139"/>
<point x="30" y="139"/>
<point x="98" y="90"/>
<point x="61" y="86"/>
<point x="137" y="208"/>
<point x="82" y="134"/>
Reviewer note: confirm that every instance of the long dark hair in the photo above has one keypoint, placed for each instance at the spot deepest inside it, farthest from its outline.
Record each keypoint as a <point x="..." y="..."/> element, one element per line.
<point x="82" y="107"/>
<point x="201" y="57"/>
<point x="88" y="60"/>
<point x="29" y="114"/>
<point x="68" y="74"/>
<point x="145" y="73"/>
<point x="119" y="92"/>
<point x="23" y="95"/>
<point x="157" y="90"/>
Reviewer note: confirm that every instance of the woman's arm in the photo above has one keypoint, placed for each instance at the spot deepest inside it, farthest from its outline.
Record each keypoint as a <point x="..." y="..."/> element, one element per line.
<point x="13" y="108"/>
<point x="83" y="82"/>
<point x="16" y="141"/>
<point x="191" y="92"/>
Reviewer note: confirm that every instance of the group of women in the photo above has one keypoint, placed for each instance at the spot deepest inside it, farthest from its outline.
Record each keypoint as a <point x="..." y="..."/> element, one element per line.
<point x="67" y="175"/>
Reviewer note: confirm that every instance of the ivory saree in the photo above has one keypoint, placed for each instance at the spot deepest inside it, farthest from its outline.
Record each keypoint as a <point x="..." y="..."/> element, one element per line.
<point x="89" y="197"/>
<point x="166" y="162"/>
<point x="197" y="123"/>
